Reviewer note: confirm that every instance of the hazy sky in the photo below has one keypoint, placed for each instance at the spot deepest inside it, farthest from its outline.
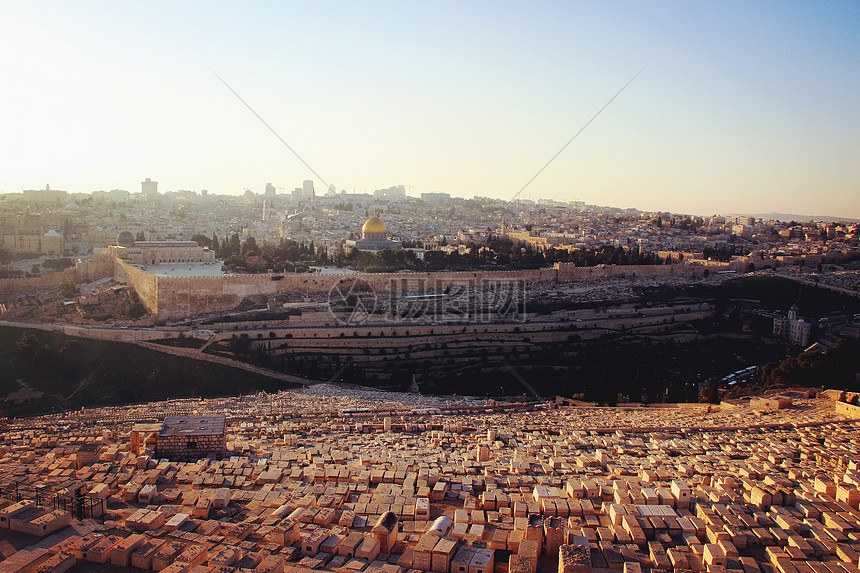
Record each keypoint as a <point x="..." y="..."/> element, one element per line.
<point x="742" y="106"/>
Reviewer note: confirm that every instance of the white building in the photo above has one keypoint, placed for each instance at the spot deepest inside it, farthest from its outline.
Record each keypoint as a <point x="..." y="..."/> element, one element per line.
<point x="308" y="190"/>
<point x="795" y="330"/>
<point x="149" y="188"/>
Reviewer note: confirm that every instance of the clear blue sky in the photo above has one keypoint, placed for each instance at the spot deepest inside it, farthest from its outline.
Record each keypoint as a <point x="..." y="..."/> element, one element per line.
<point x="741" y="107"/>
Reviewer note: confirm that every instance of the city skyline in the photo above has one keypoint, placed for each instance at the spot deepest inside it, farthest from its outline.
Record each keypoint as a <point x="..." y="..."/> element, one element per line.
<point x="741" y="107"/>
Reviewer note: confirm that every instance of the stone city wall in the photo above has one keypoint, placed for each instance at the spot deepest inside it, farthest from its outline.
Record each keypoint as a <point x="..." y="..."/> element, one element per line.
<point x="570" y="272"/>
<point x="94" y="269"/>
<point x="183" y="296"/>
<point x="10" y="288"/>
<point x="82" y="272"/>
<point x="145" y="284"/>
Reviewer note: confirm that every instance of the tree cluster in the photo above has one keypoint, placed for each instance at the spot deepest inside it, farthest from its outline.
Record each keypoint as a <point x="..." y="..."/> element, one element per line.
<point x="722" y="254"/>
<point x="58" y="264"/>
<point x="835" y="368"/>
<point x="68" y="289"/>
<point x="250" y="256"/>
<point x="505" y="252"/>
<point x="385" y="261"/>
<point x="46" y="358"/>
<point x="498" y="251"/>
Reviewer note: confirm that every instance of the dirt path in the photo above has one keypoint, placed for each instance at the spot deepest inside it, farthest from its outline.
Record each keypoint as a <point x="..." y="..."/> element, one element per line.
<point x="196" y="354"/>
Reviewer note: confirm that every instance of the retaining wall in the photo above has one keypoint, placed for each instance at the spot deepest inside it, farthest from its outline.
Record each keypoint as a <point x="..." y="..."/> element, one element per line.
<point x="145" y="284"/>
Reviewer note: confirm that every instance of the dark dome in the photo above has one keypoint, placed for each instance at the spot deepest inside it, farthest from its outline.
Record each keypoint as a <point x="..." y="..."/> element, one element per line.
<point x="125" y="239"/>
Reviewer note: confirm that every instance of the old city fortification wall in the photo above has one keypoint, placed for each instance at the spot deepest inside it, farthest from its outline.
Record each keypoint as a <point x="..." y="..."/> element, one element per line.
<point x="82" y="272"/>
<point x="94" y="269"/>
<point x="570" y="272"/>
<point x="10" y="288"/>
<point x="145" y="284"/>
<point x="183" y="296"/>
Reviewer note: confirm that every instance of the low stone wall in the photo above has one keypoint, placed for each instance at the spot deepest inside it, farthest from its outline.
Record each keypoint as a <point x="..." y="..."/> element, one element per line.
<point x="113" y="334"/>
<point x="770" y="403"/>
<point x="847" y="410"/>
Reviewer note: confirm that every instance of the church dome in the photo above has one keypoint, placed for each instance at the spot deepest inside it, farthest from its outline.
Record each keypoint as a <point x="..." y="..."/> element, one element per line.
<point x="373" y="225"/>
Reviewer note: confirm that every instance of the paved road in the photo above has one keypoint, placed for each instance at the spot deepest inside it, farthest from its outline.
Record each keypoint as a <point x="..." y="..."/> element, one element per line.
<point x="137" y="336"/>
<point x="819" y="284"/>
<point x="196" y="354"/>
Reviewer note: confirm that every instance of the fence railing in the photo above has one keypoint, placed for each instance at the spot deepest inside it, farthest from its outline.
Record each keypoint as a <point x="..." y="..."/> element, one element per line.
<point x="77" y="503"/>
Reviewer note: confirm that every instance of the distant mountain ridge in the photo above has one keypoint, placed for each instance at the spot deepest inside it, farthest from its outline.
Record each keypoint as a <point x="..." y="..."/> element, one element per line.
<point x="786" y="217"/>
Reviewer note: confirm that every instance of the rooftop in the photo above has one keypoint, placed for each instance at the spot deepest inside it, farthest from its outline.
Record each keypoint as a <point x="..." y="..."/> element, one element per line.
<point x="212" y="269"/>
<point x="193" y="426"/>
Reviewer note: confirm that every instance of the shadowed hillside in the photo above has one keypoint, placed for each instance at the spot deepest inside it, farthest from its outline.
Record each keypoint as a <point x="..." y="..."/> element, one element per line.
<point x="47" y="371"/>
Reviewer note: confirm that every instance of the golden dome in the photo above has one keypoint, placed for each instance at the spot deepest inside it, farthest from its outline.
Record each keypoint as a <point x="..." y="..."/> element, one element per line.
<point x="373" y="225"/>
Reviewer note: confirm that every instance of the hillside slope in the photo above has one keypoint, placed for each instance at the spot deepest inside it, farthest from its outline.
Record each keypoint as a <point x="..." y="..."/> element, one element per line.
<point x="48" y="371"/>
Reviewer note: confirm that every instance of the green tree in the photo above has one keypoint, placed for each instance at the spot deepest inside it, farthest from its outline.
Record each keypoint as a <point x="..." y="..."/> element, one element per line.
<point x="240" y="344"/>
<point x="68" y="289"/>
<point x="202" y="240"/>
<point x="250" y="247"/>
<point x="58" y="264"/>
<point x="231" y="246"/>
<point x="235" y="262"/>
<point x="711" y="394"/>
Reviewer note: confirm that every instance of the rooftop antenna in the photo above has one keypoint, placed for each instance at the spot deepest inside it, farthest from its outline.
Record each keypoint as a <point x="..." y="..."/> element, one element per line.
<point x="575" y="135"/>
